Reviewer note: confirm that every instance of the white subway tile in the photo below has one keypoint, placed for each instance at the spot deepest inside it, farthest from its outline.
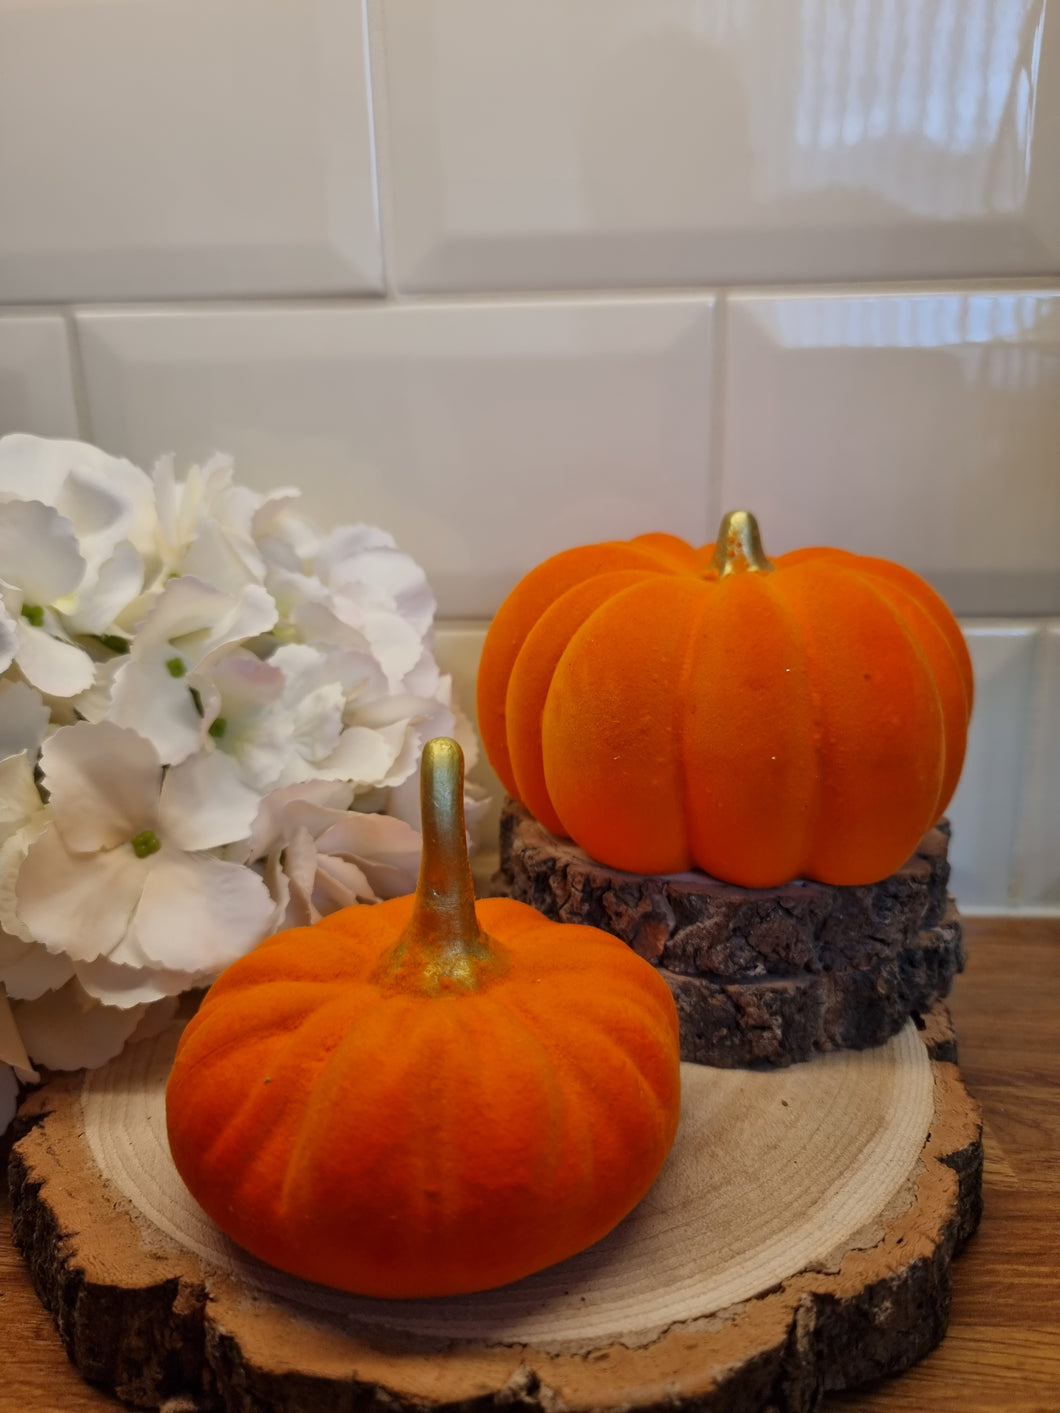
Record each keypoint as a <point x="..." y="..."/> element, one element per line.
<point x="922" y="426"/>
<point x="985" y="810"/>
<point x="484" y="437"/>
<point x="36" y="385"/>
<point x="539" y="143"/>
<point x="185" y="147"/>
<point x="1037" y="865"/>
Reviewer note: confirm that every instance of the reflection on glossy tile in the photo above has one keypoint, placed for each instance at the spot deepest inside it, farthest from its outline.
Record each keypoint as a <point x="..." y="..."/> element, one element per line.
<point x="539" y="143"/>
<point x="185" y="147"/>
<point x="924" y="427"/>
<point x="36" y="387"/>
<point x="985" y="809"/>
<point x="485" y="437"/>
<point x="1037" y="867"/>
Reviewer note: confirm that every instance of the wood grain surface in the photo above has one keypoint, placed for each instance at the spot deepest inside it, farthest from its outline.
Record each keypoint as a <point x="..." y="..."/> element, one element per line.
<point x="1003" y="1348"/>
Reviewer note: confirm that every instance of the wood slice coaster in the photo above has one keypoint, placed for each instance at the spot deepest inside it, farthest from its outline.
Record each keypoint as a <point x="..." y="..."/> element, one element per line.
<point x="799" y="1239"/>
<point x="760" y="975"/>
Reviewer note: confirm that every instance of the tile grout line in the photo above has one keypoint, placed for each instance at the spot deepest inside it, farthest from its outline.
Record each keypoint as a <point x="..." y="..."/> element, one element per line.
<point x="521" y="297"/>
<point x="82" y="404"/>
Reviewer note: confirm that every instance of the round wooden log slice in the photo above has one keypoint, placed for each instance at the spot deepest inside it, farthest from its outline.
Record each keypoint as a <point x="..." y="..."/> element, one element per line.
<point x="760" y="975"/>
<point x="799" y="1239"/>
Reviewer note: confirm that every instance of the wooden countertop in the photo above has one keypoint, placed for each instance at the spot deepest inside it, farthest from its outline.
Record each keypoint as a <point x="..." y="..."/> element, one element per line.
<point x="1002" y="1354"/>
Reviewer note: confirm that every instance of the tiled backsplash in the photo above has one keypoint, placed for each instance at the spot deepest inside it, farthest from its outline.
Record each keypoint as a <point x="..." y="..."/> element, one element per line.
<point x="508" y="275"/>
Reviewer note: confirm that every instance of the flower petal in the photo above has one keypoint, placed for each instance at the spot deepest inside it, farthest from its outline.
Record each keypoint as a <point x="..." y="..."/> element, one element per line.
<point x="39" y="551"/>
<point x="198" y="619"/>
<point x="37" y="970"/>
<point x="70" y="1030"/>
<point x="126" y="986"/>
<point x="12" y="1046"/>
<point x="199" y="913"/>
<point x="321" y="623"/>
<point x="23" y="721"/>
<point x="45" y="465"/>
<point x="339" y="883"/>
<point x="103" y="781"/>
<point x="365" y="757"/>
<point x="270" y="827"/>
<point x="80" y="904"/>
<point x="119" y="581"/>
<point x="19" y="797"/>
<point x="146" y="696"/>
<point x="205" y="803"/>
<point x="154" y="1020"/>
<point x="184" y="606"/>
<point x="8" y="638"/>
<point x="300" y="866"/>
<point x="59" y="669"/>
<point x="386" y="849"/>
<point x="97" y="509"/>
<point x="364" y="555"/>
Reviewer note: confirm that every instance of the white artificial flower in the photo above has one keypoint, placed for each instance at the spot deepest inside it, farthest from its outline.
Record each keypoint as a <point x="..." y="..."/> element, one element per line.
<point x="13" y="1054"/>
<point x="206" y="523"/>
<point x="305" y="714"/>
<point x="321" y="856"/>
<point x="70" y="562"/>
<point x="190" y="625"/>
<point x="23" y="721"/>
<point x="352" y="589"/>
<point x="120" y="880"/>
<point x="27" y="969"/>
<point x="68" y="1029"/>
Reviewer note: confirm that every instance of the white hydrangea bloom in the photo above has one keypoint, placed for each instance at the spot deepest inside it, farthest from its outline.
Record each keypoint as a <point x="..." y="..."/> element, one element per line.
<point x="120" y="880"/>
<point x="211" y="718"/>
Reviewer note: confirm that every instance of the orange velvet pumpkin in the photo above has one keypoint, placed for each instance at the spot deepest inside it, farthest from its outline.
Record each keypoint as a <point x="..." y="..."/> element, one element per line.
<point x="669" y="707"/>
<point x="427" y="1096"/>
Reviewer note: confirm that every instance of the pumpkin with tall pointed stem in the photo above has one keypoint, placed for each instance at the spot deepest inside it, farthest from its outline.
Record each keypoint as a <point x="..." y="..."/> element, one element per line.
<point x="669" y="707"/>
<point x="427" y="1096"/>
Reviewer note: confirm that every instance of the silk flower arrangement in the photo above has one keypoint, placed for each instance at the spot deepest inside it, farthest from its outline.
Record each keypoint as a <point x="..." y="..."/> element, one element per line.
<point x="211" y="718"/>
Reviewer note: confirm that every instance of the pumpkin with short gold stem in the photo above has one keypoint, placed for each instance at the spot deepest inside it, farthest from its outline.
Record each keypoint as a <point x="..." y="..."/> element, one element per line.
<point x="427" y="1096"/>
<point x="669" y="707"/>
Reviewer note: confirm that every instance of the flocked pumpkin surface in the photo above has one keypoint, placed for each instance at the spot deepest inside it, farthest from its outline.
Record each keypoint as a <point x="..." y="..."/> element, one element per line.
<point x="418" y="1099"/>
<point x="669" y="707"/>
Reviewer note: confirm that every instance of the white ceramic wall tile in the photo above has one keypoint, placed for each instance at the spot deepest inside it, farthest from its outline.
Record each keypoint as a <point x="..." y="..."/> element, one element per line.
<point x="539" y="143"/>
<point x="985" y="810"/>
<point x="484" y="437"/>
<point x="36" y="386"/>
<point x="924" y="427"/>
<point x="1036" y="875"/>
<point x="185" y="147"/>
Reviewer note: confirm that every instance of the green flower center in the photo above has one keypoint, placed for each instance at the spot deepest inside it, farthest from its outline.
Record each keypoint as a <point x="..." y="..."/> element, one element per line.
<point x="144" y="843"/>
<point x="34" y="613"/>
<point x="175" y="667"/>
<point x="217" y="728"/>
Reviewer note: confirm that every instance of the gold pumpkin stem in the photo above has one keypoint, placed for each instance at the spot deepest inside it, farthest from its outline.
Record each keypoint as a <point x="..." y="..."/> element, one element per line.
<point x="443" y="948"/>
<point x="739" y="547"/>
